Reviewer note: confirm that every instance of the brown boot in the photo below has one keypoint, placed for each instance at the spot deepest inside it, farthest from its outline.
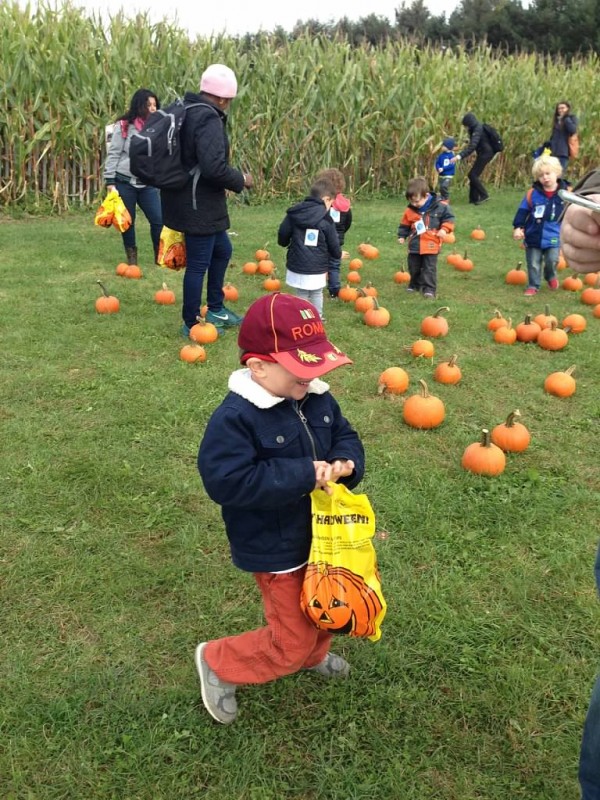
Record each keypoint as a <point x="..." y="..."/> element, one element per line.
<point x="131" y="255"/>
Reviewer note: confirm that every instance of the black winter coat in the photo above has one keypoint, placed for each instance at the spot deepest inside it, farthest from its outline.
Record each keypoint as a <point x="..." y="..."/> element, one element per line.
<point x="204" y="142"/>
<point x="311" y="238"/>
<point x="478" y="139"/>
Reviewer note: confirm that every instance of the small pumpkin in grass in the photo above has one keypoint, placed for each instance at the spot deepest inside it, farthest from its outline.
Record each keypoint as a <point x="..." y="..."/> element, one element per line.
<point x="204" y="332"/>
<point x="368" y="251"/>
<point x="355" y="263"/>
<point x="449" y="238"/>
<point x="250" y="268"/>
<point x="164" y="296"/>
<point x="591" y="294"/>
<point x="363" y="302"/>
<point x="353" y="276"/>
<point x="192" y="353"/>
<point x="422" y="348"/>
<point x="402" y="276"/>
<point x="516" y="276"/>
<point x="230" y="293"/>
<point x="452" y="258"/>
<point x="377" y="317"/>
<point x="262" y="254"/>
<point x="561" y="383"/>
<point x="528" y="330"/>
<point x="435" y="325"/>
<point x="265" y="266"/>
<point x="553" y="338"/>
<point x="423" y="410"/>
<point x="478" y="234"/>
<point x="562" y="261"/>
<point x="572" y="283"/>
<point x="348" y="294"/>
<point x="120" y="270"/>
<point x="596" y="311"/>
<point x="591" y="278"/>
<point x="106" y="303"/>
<point x="574" y="323"/>
<point x="497" y="321"/>
<point x="546" y="319"/>
<point x="511" y="436"/>
<point x="505" y="334"/>
<point x="272" y="283"/>
<point x="133" y="271"/>
<point x="484" y="457"/>
<point x="369" y="289"/>
<point x="394" y="380"/>
<point x="448" y="372"/>
<point x="464" y="264"/>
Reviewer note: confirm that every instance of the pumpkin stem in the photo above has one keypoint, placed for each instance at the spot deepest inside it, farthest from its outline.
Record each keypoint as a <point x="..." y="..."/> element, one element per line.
<point x="527" y="319"/>
<point x="510" y="420"/>
<point x="103" y="287"/>
<point x="423" y="388"/>
<point x="571" y="370"/>
<point x="497" y="313"/>
<point x="165" y="287"/>
<point x="485" y="438"/>
<point x="519" y="265"/>
<point x="440" y="310"/>
<point x="452" y="361"/>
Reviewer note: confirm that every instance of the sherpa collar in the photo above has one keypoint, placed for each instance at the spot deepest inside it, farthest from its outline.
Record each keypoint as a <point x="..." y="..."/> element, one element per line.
<point x="241" y="383"/>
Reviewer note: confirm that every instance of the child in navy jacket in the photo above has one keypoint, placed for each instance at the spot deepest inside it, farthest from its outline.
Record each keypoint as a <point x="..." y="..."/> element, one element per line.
<point x="341" y="214"/>
<point x="537" y="221"/>
<point x="278" y="435"/>
<point x="446" y="168"/>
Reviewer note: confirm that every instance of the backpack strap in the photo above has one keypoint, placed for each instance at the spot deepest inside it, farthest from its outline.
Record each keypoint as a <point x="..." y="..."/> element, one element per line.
<point x="529" y="195"/>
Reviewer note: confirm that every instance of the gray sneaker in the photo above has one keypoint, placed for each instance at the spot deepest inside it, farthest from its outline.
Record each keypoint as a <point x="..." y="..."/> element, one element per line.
<point x="218" y="697"/>
<point x="332" y="666"/>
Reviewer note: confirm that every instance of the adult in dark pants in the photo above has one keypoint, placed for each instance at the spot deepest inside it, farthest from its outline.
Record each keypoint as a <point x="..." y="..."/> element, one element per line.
<point x="564" y="125"/>
<point x="199" y="209"/>
<point x="479" y="144"/>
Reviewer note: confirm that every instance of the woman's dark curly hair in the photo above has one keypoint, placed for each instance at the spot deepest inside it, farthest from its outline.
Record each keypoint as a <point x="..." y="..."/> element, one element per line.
<point x="139" y="105"/>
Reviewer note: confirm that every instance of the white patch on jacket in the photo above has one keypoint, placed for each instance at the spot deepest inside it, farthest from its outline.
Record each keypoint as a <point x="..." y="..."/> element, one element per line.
<point x="240" y="382"/>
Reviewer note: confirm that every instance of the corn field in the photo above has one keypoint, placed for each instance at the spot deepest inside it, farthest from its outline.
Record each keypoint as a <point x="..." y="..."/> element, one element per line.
<point x="377" y="113"/>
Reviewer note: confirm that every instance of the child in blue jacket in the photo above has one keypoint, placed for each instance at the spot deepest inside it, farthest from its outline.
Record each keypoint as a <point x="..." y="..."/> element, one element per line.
<point x="537" y="221"/>
<point x="446" y="168"/>
<point x="278" y="434"/>
<point x="340" y="212"/>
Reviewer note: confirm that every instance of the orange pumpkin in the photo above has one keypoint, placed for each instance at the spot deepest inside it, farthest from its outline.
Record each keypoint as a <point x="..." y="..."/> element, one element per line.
<point x="272" y="284"/>
<point x="528" y="330"/>
<point x="561" y="383"/>
<point x="348" y="294"/>
<point x="370" y="290"/>
<point x="449" y="238"/>
<point x="339" y="601"/>
<point x="120" y="270"/>
<point x="265" y="266"/>
<point x="562" y="262"/>
<point x="435" y="325"/>
<point x="262" y="255"/>
<point x="484" y="457"/>
<point x="394" y="380"/>
<point x="553" y="338"/>
<point x="250" y="268"/>
<point x="453" y="257"/>
<point x="516" y="276"/>
<point x="230" y="293"/>
<point x="511" y="436"/>
<point x="356" y="263"/>
<point x="192" y="353"/>
<point x="463" y="264"/>
<point x="497" y="321"/>
<point x="133" y="271"/>
<point x="478" y="234"/>
<point x="591" y="294"/>
<point x="505" y="334"/>
<point x="363" y="302"/>
<point x="591" y="278"/>
<point x="164" y="296"/>
<point x="572" y="283"/>
<point x="422" y="348"/>
<point x="368" y="251"/>
<point x="402" y="276"/>
<point x="423" y="410"/>
<point x="448" y="372"/>
<point x="596" y="311"/>
<point x="106" y="303"/>
<point x="377" y="317"/>
<point x="204" y="332"/>
<point x="546" y="319"/>
<point x="353" y="276"/>
<point x="574" y="323"/>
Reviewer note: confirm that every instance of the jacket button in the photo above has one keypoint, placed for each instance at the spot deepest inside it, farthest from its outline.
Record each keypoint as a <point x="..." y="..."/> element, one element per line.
<point x="326" y="419"/>
<point x="280" y="439"/>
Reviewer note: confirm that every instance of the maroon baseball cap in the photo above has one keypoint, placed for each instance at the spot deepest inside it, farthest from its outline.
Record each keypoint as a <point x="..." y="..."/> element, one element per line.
<point x="290" y="331"/>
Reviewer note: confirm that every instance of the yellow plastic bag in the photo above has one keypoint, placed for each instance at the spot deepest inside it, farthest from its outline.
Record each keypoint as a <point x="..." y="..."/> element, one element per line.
<point x="112" y="211"/>
<point x="342" y="592"/>
<point x="171" y="250"/>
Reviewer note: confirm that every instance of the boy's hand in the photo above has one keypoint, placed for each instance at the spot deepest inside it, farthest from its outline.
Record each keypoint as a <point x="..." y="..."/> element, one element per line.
<point x="401" y="240"/>
<point x="324" y="472"/>
<point x="518" y="234"/>
<point x="442" y="233"/>
<point x="345" y="255"/>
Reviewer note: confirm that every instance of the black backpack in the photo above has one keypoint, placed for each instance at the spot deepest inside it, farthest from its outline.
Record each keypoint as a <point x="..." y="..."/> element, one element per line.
<point x="494" y="138"/>
<point x="155" y="152"/>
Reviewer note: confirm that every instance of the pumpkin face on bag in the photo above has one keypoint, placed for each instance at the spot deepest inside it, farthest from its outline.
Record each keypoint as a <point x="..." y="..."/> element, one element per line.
<point x="339" y="601"/>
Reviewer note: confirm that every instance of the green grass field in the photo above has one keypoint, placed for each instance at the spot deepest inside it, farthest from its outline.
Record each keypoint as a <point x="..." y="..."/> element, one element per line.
<point x="114" y="563"/>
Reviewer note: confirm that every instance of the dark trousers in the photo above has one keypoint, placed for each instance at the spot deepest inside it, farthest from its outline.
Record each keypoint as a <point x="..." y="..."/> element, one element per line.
<point x="477" y="191"/>
<point x="423" y="272"/>
<point x="148" y="199"/>
<point x="210" y="253"/>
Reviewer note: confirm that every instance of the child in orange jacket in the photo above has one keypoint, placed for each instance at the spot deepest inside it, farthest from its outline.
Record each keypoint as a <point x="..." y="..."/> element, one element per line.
<point x="424" y="225"/>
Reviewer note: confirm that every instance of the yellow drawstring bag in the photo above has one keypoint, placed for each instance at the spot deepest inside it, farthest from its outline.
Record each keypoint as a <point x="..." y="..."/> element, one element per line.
<point x="112" y="211"/>
<point x="171" y="250"/>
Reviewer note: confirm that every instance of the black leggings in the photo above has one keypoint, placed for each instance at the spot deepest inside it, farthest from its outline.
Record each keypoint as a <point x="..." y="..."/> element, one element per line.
<point x="477" y="191"/>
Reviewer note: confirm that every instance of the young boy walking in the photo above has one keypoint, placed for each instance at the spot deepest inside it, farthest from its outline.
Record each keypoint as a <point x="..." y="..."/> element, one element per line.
<point x="340" y="212"/>
<point x="445" y="166"/>
<point x="537" y="221"/>
<point x="277" y="435"/>
<point x="311" y="238"/>
<point x="424" y="225"/>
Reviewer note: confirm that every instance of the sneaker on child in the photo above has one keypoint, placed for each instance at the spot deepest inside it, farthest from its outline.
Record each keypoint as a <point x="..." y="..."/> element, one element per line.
<point x="332" y="666"/>
<point x="530" y="291"/>
<point x="217" y="695"/>
<point x="553" y="283"/>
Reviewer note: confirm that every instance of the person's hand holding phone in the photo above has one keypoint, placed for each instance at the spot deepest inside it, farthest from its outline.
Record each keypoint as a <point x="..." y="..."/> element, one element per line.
<point x="580" y="232"/>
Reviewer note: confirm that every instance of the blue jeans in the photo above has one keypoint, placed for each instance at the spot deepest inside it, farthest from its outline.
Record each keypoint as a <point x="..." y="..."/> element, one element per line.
<point x="589" y="758"/>
<point x="535" y="256"/>
<point x="314" y="296"/>
<point x="444" y="183"/>
<point x="209" y="253"/>
<point x="333" y="276"/>
<point x="148" y="199"/>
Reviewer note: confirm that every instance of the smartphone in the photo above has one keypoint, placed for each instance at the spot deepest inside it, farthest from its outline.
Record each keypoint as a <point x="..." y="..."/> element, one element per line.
<point x="578" y="200"/>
